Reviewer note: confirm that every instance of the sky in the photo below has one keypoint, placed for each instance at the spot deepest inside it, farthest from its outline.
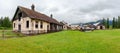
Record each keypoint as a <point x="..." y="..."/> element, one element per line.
<point x="70" y="11"/>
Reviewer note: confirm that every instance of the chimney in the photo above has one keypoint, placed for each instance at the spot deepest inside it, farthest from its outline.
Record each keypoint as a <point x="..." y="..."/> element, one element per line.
<point x="33" y="7"/>
<point x="51" y="16"/>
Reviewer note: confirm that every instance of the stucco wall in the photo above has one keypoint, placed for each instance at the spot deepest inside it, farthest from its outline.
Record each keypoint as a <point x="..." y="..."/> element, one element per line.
<point x="31" y="25"/>
<point x="39" y="28"/>
<point x="22" y="22"/>
<point x="98" y="27"/>
<point x="65" y="27"/>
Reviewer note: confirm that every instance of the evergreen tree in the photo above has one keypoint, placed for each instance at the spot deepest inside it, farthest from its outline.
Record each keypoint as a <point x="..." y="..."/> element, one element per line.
<point x="113" y="23"/>
<point x="103" y="21"/>
<point x="118" y="22"/>
<point x="1" y="22"/>
<point x="6" y="22"/>
<point x="107" y="23"/>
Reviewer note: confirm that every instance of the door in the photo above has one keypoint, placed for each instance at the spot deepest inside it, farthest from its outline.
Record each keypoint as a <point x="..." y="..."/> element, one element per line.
<point x="48" y="28"/>
<point x="101" y="27"/>
<point x="19" y="28"/>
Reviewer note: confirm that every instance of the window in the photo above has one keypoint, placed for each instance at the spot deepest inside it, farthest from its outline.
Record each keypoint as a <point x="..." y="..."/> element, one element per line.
<point x="27" y="24"/>
<point x="14" y="25"/>
<point x="41" y="24"/>
<point x="19" y="16"/>
<point x="36" y="25"/>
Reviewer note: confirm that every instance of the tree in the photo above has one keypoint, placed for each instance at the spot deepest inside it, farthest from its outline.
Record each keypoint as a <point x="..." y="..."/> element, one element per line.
<point x="6" y="22"/>
<point x="118" y="21"/>
<point x="107" y="23"/>
<point x="103" y="21"/>
<point x="1" y="22"/>
<point x="113" y="23"/>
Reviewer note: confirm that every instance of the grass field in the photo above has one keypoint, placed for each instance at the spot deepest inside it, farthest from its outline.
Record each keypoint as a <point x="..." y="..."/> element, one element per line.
<point x="100" y="41"/>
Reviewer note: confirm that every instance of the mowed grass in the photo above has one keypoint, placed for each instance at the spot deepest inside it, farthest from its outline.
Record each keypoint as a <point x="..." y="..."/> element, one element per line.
<point x="99" y="41"/>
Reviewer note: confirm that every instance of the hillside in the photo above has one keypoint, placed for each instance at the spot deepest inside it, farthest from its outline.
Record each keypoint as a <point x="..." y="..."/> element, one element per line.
<point x="101" y="41"/>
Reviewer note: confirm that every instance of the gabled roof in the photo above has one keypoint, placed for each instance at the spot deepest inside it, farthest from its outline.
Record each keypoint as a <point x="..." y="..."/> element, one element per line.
<point x="98" y="24"/>
<point x="36" y="15"/>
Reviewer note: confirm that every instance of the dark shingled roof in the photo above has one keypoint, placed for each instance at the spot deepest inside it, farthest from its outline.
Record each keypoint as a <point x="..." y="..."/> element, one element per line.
<point x="36" y="15"/>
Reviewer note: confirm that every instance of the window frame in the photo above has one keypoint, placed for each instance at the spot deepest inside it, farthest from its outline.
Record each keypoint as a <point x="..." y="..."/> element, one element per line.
<point x="36" y="24"/>
<point x="19" y="16"/>
<point x="14" y="25"/>
<point x="27" y="24"/>
<point x="41" y="24"/>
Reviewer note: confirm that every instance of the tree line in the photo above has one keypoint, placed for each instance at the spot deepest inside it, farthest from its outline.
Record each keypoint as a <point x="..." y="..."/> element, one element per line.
<point x="115" y="23"/>
<point x="5" y="22"/>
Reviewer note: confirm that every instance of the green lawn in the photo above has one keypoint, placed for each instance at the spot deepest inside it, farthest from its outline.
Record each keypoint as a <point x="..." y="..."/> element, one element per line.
<point x="100" y="41"/>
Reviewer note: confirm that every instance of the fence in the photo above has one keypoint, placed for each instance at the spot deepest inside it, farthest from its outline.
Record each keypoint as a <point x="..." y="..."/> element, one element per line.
<point x="11" y="34"/>
<point x="8" y="34"/>
<point x="32" y="32"/>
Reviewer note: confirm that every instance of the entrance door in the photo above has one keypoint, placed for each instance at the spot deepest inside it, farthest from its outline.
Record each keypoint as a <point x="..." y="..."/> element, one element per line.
<point x="19" y="28"/>
<point x="48" y="28"/>
<point x="101" y="27"/>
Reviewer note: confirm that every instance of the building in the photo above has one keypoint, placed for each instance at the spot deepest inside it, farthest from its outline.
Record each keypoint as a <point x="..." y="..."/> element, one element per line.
<point x="88" y="27"/>
<point x="65" y="25"/>
<point x="99" y="26"/>
<point x="75" y="27"/>
<point x="29" y="21"/>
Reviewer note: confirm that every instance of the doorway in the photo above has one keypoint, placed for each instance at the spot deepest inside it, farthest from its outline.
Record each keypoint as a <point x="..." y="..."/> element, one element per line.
<point x="19" y="28"/>
<point x="48" y="30"/>
<point x="101" y="27"/>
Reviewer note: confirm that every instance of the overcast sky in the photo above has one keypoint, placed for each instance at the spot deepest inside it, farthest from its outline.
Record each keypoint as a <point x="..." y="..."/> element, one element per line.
<point x="71" y="11"/>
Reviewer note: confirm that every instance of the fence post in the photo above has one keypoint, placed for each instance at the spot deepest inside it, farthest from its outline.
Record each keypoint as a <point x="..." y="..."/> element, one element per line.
<point x="3" y="35"/>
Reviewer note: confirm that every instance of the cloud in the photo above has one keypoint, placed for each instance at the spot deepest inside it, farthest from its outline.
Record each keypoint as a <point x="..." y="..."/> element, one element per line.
<point x="71" y="11"/>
